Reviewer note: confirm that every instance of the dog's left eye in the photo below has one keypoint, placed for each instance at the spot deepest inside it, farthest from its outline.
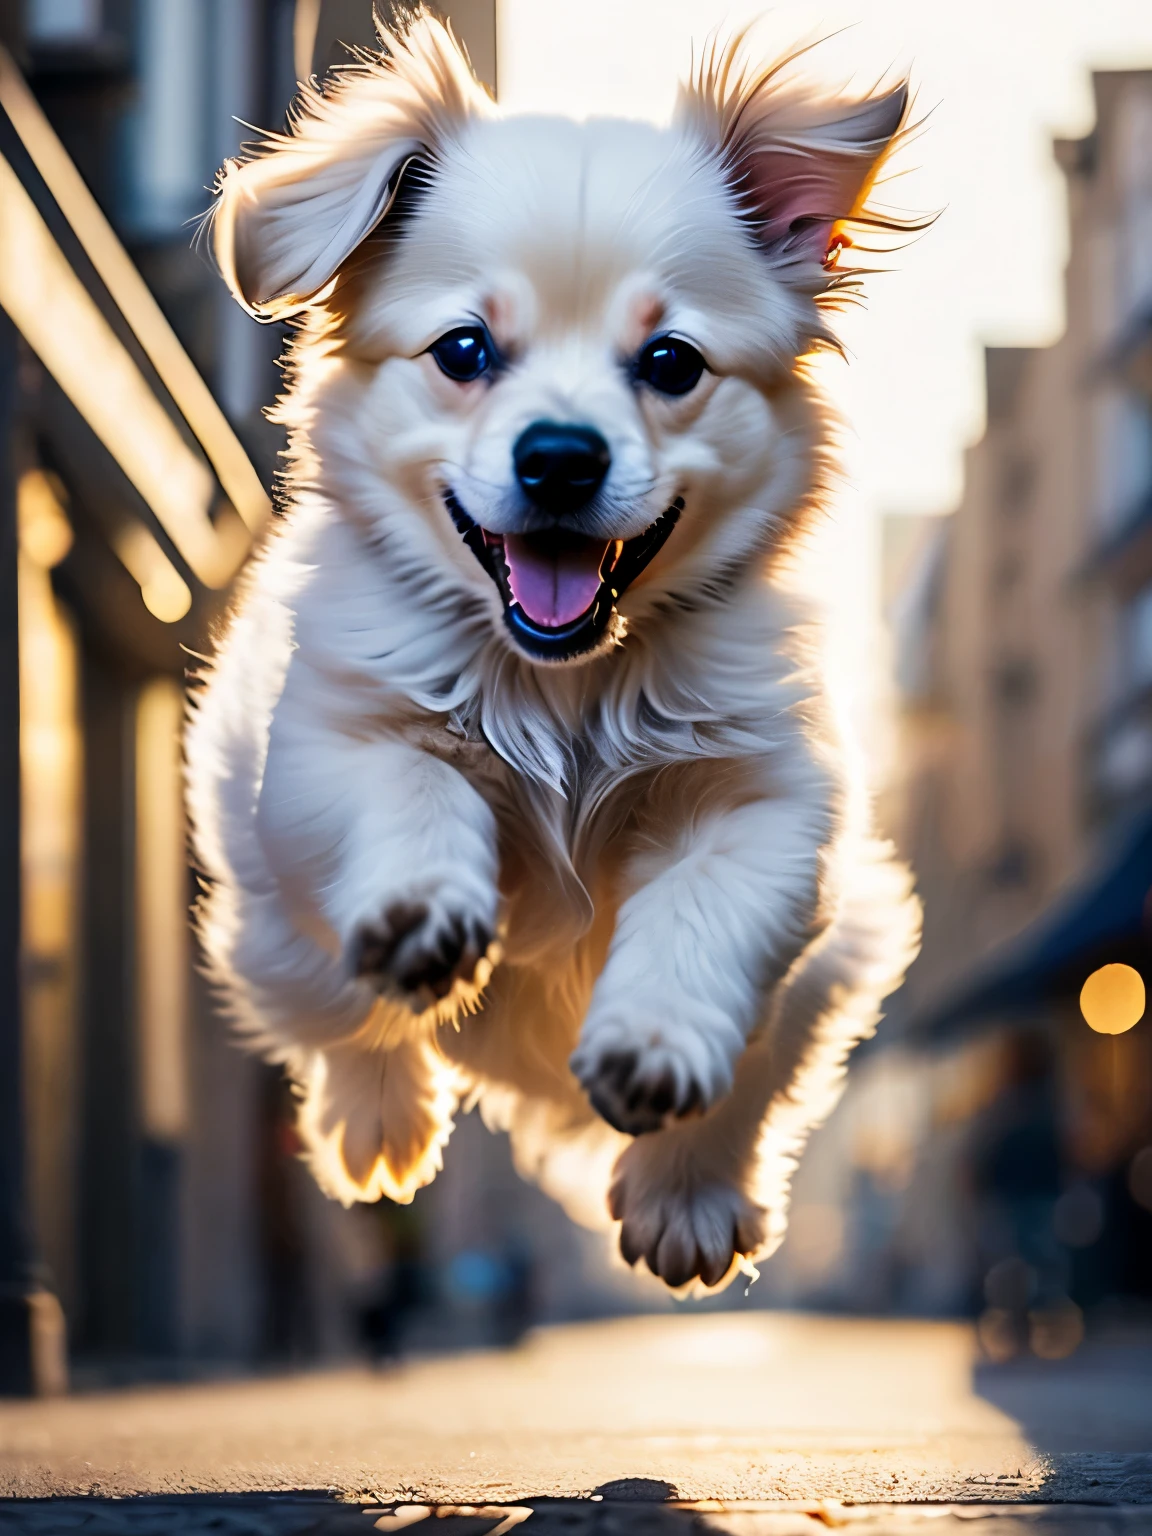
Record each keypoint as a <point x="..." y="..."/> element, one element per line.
<point x="464" y="354"/>
<point x="670" y="364"/>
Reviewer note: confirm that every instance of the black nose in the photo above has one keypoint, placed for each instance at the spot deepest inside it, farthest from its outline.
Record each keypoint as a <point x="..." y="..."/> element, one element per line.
<point x="560" y="467"/>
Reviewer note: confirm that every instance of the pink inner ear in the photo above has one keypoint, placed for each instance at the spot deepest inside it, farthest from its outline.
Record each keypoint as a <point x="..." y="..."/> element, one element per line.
<point x="781" y="187"/>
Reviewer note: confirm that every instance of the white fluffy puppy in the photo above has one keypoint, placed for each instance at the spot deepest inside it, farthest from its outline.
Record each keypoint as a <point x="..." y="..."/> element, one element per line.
<point x="514" y="776"/>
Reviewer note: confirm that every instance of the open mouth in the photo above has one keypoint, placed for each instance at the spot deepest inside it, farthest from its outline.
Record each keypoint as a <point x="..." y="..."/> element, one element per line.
<point x="559" y="587"/>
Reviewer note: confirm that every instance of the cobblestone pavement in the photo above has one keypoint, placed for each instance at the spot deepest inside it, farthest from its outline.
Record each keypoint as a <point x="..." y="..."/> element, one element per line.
<point x="755" y="1424"/>
<point x="324" y="1515"/>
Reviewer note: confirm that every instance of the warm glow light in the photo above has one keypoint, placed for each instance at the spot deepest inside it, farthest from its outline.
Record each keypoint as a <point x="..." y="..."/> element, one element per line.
<point x="51" y="838"/>
<point x="1057" y="1331"/>
<point x="161" y="912"/>
<point x="45" y="532"/>
<point x="1112" y="999"/>
<point x="63" y="326"/>
<point x="166" y="600"/>
<point x="133" y="298"/>
<point x="164" y="590"/>
<point x="305" y="25"/>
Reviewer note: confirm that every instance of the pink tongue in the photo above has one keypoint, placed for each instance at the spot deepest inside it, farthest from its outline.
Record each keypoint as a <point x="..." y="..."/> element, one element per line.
<point x="554" y="577"/>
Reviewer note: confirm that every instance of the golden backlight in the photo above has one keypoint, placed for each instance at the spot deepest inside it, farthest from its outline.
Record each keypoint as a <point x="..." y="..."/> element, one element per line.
<point x="45" y="532"/>
<point x="1112" y="999"/>
<point x="65" y="328"/>
<point x="161" y="913"/>
<point x="132" y="296"/>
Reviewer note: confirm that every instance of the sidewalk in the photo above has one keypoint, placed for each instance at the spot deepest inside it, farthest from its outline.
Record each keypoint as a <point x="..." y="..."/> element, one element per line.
<point x="757" y="1409"/>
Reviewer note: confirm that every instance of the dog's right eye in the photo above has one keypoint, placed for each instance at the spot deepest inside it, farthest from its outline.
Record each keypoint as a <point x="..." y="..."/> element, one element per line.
<point x="464" y="354"/>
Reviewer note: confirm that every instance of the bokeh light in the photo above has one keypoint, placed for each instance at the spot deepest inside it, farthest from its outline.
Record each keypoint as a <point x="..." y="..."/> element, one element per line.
<point x="1112" y="999"/>
<point x="45" y="532"/>
<point x="1056" y="1331"/>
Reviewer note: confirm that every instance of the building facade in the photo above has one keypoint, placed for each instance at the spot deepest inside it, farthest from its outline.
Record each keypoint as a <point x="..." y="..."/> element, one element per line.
<point x="1025" y="779"/>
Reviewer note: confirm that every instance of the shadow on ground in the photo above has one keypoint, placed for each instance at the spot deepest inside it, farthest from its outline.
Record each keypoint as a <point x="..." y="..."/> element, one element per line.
<point x="632" y="1507"/>
<point x="1088" y="1417"/>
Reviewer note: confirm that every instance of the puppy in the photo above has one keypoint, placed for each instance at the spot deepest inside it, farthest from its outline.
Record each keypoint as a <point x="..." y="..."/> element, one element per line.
<point x="514" y="777"/>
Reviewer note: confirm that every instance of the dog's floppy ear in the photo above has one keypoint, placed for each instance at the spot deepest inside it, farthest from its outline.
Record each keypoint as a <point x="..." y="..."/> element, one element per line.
<point x="290" y="214"/>
<point x="799" y="167"/>
<point x="795" y="186"/>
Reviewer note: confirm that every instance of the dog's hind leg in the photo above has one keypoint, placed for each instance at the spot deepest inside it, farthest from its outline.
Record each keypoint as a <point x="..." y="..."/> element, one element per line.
<point x="373" y="1121"/>
<point x="376" y="1098"/>
<point x="696" y="1197"/>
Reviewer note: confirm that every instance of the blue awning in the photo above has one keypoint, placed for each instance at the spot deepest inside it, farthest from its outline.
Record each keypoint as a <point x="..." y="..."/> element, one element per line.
<point x="1130" y="355"/>
<point x="1114" y="546"/>
<point x="1107" y="917"/>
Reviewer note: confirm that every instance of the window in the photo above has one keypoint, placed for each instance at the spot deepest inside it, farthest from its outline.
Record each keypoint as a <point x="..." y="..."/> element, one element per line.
<point x="1017" y="478"/>
<point x="1135" y="248"/>
<point x="1136" y="640"/>
<point x="171" y="153"/>
<point x="1014" y="865"/>
<point x="63" y="21"/>
<point x="1124" y="455"/>
<point x="1015" y="682"/>
<point x="1124" y="759"/>
<point x="1007" y="573"/>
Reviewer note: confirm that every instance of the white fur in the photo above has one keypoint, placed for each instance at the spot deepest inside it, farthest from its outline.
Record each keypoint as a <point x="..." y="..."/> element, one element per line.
<point x="662" y="841"/>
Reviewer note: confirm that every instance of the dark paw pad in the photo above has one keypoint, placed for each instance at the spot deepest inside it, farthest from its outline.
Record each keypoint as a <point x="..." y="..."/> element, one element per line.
<point x="376" y="945"/>
<point x="421" y="958"/>
<point x="635" y="1102"/>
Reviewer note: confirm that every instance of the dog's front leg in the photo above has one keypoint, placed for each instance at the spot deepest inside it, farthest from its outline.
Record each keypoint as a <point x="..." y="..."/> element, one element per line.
<point x="386" y="852"/>
<point x="693" y="1199"/>
<point x="719" y="913"/>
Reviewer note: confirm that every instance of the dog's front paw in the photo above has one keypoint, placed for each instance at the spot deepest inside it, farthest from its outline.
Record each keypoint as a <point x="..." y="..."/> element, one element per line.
<point x="642" y="1076"/>
<point x="684" y="1223"/>
<point x="638" y="1091"/>
<point x="421" y="950"/>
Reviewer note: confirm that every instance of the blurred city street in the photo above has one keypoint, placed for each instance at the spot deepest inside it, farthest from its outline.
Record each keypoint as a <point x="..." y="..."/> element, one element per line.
<point x="776" y="1410"/>
<point x="958" y="1325"/>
